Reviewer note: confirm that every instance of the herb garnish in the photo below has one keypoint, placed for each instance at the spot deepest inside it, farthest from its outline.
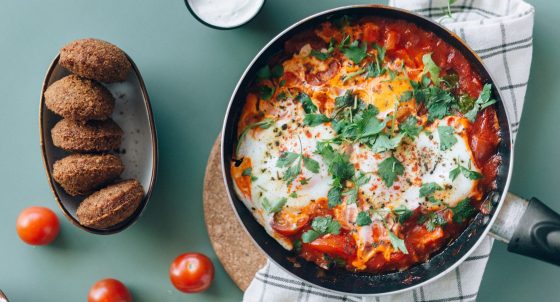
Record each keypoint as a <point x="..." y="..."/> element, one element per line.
<point x="266" y="92"/>
<point x="410" y="127"/>
<point x="482" y="102"/>
<point x="375" y="69"/>
<point x="389" y="169"/>
<point x="463" y="210"/>
<point x="287" y="159"/>
<point x="321" y="226"/>
<point x="264" y="124"/>
<point x="273" y="207"/>
<point x="446" y="137"/>
<point x="428" y="189"/>
<point x="432" y="220"/>
<point x="322" y="56"/>
<point x="249" y="172"/>
<point x="431" y="68"/>
<point x="353" y="51"/>
<point x="363" y="219"/>
<point x="315" y="119"/>
<point x="467" y="172"/>
<point x="306" y="102"/>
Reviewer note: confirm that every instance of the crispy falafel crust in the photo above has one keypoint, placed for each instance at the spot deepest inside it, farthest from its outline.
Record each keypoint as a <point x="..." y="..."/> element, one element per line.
<point x="79" y="99"/>
<point x="81" y="174"/>
<point x="111" y="205"/>
<point x="95" y="59"/>
<point x="92" y="136"/>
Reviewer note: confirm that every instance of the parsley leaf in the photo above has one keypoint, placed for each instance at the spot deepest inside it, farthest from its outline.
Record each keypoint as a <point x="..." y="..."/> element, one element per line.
<point x="277" y="71"/>
<point x="463" y="211"/>
<point x="429" y="188"/>
<point x="273" y="207"/>
<point x="446" y="137"/>
<point x="403" y="213"/>
<point x="482" y="102"/>
<point x="363" y="219"/>
<point x="431" y="68"/>
<point x="433" y="220"/>
<point x="266" y="92"/>
<point x="375" y="69"/>
<point x="334" y="196"/>
<point x="264" y="124"/>
<point x="286" y="159"/>
<point x="354" y="51"/>
<point x="321" y="226"/>
<point x="384" y="143"/>
<point x="397" y="243"/>
<point x="352" y="193"/>
<point x="247" y="172"/>
<point x="263" y="73"/>
<point x="389" y="170"/>
<point x="470" y="174"/>
<point x="311" y="164"/>
<point x="410" y="127"/>
<point x="315" y="119"/>
<point x="306" y="102"/>
<point x="348" y="76"/>
<point x="439" y="102"/>
<point x="322" y="56"/>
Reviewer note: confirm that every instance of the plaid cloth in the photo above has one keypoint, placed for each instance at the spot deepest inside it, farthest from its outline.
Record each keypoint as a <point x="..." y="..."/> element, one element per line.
<point x="501" y="33"/>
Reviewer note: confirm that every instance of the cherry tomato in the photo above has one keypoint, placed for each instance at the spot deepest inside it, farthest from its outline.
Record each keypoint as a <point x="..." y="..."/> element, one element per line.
<point x="109" y="290"/>
<point x="37" y="225"/>
<point x="289" y="224"/>
<point x="191" y="272"/>
<point x="338" y="245"/>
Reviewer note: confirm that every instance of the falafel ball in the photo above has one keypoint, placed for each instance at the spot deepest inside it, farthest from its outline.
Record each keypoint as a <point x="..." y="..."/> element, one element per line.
<point x="92" y="136"/>
<point x="81" y="174"/>
<point x="111" y="205"/>
<point x="79" y="99"/>
<point x="95" y="59"/>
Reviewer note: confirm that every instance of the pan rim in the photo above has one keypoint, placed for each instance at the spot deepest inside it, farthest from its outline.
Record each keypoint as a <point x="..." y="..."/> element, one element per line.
<point x="509" y="143"/>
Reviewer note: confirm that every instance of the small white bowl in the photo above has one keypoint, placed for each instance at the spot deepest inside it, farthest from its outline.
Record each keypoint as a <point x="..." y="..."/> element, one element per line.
<point x="224" y="14"/>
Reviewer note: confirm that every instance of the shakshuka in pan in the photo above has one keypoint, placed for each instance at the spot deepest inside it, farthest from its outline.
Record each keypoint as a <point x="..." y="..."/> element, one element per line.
<point x="366" y="145"/>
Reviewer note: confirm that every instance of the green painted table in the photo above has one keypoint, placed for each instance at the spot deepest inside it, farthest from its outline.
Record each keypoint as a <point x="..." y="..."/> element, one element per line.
<point x="181" y="60"/>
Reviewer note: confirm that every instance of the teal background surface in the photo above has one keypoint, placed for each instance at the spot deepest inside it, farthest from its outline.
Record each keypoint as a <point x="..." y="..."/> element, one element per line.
<point x="190" y="71"/>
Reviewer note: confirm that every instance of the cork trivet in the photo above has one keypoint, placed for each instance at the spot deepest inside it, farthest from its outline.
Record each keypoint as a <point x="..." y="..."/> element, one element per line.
<point x="236" y="251"/>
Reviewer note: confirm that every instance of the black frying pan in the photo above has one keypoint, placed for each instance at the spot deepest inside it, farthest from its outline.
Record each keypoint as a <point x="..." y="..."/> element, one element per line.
<point x="532" y="228"/>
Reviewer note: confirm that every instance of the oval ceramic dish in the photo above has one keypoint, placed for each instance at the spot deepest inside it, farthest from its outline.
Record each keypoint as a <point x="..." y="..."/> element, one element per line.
<point x="138" y="149"/>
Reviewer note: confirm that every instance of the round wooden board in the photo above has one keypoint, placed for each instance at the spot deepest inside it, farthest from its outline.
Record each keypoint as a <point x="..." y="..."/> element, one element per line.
<point x="236" y="251"/>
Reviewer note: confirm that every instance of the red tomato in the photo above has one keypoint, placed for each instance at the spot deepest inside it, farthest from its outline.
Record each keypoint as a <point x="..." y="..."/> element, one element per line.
<point x="109" y="290"/>
<point x="284" y="224"/>
<point x="37" y="225"/>
<point x="191" y="272"/>
<point x="338" y="245"/>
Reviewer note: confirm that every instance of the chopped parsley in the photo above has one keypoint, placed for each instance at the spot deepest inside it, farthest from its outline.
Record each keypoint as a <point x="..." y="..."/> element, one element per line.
<point x="287" y="159"/>
<point x="266" y="73"/>
<point x="482" y="102"/>
<point x="438" y="101"/>
<point x="306" y="102"/>
<point x="410" y="127"/>
<point x="375" y="69"/>
<point x="446" y="137"/>
<point x="389" y="170"/>
<point x="432" y="220"/>
<point x="351" y="75"/>
<point x="352" y="193"/>
<point x="363" y="219"/>
<point x="322" y="56"/>
<point x="319" y="227"/>
<point x="428" y="189"/>
<point x="249" y="172"/>
<point x="397" y="243"/>
<point x="353" y="51"/>
<point x="463" y="211"/>
<point x="467" y="172"/>
<point x="266" y="92"/>
<point x="315" y="119"/>
<point x="402" y="213"/>
<point x="431" y="68"/>
<point x="273" y="207"/>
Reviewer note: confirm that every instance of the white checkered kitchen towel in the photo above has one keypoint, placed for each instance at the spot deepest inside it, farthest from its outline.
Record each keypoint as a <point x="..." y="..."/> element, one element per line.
<point x="501" y="33"/>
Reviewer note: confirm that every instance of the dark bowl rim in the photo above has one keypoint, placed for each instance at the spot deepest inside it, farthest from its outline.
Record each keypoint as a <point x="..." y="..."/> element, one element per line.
<point x="153" y="142"/>
<point x="199" y="19"/>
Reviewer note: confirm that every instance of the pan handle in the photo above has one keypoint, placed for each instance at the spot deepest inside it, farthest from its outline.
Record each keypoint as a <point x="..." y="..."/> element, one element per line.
<point x="530" y="228"/>
<point x="538" y="233"/>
